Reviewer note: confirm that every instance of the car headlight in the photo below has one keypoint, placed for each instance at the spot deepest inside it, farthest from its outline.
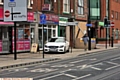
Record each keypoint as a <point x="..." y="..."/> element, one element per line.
<point x="61" y="46"/>
<point x="46" y="46"/>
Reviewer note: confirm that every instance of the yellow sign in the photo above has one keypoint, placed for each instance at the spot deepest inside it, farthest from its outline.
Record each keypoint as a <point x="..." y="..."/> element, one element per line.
<point x="34" y="47"/>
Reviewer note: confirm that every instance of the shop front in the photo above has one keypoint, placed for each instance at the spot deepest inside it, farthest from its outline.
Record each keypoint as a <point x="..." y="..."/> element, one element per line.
<point x="50" y="28"/>
<point x="22" y="34"/>
<point x="62" y="24"/>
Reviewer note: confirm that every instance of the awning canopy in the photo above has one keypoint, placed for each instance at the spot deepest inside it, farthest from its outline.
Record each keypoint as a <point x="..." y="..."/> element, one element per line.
<point x="6" y="24"/>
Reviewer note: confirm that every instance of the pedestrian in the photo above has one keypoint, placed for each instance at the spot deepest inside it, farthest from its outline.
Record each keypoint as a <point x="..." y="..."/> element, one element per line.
<point x="85" y="40"/>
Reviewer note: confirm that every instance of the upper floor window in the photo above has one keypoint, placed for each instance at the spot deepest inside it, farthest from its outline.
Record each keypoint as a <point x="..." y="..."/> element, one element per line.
<point x="51" y="2"/>
<point x="30" y="3"/>
<point x="66" y="6"/>
<point x="80" y="7"/>
<point x="1" y="1"/>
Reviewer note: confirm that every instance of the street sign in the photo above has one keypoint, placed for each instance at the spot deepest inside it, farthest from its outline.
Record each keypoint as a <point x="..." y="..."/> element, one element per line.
<point x="17" y="10"/>
<point x="112" y="24"/>
<point x="89" y="25"/>
<point x="12" y="0"/>
<point x="42" y="19"/>
<point x="7" y="13"/>
<point x="71" y="23"/>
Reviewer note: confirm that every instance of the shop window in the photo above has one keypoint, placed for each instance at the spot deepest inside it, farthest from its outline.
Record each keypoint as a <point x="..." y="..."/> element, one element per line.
<point x="40" y="38"/>
<point x="5" y="31"/>
<point x="54" y="26"/>
<point x="26" y="34"/>
<point x="54" y="33"/>
<point x="0" y="34"/>
<point x="49" y="26"/>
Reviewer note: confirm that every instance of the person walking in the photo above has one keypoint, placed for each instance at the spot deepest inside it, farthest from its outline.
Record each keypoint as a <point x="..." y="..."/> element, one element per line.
<point x="85" y="40"/>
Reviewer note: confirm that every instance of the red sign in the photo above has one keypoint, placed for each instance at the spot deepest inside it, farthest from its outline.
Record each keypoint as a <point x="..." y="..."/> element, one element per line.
<point x="46" y="7"/>
<point x="1" y="13"/>
<point x="51" y="17"/>
<point x="30" y="16"/>
<point x="7" y="13"/>
<point x="112" y="24"/>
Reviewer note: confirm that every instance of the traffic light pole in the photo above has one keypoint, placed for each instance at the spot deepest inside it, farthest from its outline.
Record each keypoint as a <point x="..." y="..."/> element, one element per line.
<point x="89" y="28"/>
<point x="106" y="38"/>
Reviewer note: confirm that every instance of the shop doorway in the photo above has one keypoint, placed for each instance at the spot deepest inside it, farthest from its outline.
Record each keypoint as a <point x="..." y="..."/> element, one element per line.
<point x="62" y="31"/>
<point x="5" y="40"/>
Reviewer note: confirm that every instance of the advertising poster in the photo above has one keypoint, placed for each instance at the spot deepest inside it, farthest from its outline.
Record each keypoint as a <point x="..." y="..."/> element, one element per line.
<point x="27" y="45"/>
<point x="0" y="46"/>
<point x="20" y="34"/>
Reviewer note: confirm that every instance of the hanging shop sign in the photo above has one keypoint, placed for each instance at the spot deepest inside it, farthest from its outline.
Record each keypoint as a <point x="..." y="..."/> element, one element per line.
<point x="63" y="21"/>
<point x="30" y="16"/>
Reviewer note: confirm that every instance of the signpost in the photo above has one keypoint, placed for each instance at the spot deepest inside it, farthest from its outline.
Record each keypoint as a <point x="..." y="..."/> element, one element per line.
<point x="112" y="40"/>
<point x="15" y="11"/>
<point x="43" y="21"/>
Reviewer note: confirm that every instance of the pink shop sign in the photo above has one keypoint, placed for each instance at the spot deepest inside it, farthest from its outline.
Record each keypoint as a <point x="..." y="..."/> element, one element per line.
<point x="0" y="46"/>
<point x="27" y="45"/>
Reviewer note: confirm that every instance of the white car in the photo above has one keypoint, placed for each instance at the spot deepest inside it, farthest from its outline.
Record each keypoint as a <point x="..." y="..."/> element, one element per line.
<point x="57" y="44"/>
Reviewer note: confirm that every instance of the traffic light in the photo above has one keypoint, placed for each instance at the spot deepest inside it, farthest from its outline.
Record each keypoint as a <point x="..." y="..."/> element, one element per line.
<point x="10" y="39"/>
<point x="105" y="22"/>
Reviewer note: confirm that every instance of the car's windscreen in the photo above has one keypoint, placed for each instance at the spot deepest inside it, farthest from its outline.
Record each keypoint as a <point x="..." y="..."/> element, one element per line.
<point x="56" y="40"/>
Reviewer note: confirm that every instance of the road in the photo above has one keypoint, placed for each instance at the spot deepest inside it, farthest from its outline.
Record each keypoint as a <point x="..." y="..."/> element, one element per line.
<point x="104" y="65"/>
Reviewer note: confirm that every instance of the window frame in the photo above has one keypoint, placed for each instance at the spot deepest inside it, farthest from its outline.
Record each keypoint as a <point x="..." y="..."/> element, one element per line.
<point x="81" y="7"/>
<point x="67" y="3"/>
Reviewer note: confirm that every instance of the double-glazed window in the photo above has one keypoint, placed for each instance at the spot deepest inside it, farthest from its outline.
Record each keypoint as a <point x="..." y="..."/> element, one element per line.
<point x="80" y="7"/>
<point x="66" y="6"/>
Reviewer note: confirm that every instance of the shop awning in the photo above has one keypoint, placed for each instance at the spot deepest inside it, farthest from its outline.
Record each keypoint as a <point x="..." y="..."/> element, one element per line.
<point x="6" y="24"/>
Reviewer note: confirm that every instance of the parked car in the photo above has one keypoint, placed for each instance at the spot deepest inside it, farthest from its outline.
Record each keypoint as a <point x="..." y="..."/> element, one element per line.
<point x="57" y="44"/>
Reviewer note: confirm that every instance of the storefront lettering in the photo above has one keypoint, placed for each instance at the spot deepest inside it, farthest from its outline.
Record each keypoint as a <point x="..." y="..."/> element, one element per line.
<point x="20" y="16"/>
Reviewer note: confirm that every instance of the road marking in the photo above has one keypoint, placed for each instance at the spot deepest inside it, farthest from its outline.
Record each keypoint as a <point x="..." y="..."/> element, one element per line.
<point x="19" y="69"/>
<point x="95" y="68"/>
<point x="43" y="70"/>
<point x="98" y="64"/>
<point x="82" y="77"/>
<point x="51" y="77"/>
<point x="63" y="65"/>
<point x="93" y="59"/>
<point x="70" y="75"/>
<point x="115" y="58"/>
<point x="112" y="63"/>
<point x="112" y="67"/>
<point x="78" y="61"/>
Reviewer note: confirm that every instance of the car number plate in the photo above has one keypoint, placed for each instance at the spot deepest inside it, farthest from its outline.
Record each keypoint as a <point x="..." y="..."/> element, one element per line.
<point x="52" y="49"/>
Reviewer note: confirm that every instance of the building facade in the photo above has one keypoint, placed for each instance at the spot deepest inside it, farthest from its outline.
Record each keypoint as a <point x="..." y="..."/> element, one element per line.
<point x="22" y="32"/>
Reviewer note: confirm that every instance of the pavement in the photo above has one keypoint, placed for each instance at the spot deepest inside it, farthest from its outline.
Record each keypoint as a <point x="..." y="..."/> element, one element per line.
<point x="7" y="61"/>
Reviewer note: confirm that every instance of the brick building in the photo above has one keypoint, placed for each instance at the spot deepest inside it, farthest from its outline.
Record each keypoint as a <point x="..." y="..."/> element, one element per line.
<point x="110" y="8"/>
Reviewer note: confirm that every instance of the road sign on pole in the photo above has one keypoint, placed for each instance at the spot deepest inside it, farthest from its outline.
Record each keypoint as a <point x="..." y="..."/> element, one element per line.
<point x="112" y="24"/>
<point x="17" y="10"/>
<point x="42" y="19"/>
